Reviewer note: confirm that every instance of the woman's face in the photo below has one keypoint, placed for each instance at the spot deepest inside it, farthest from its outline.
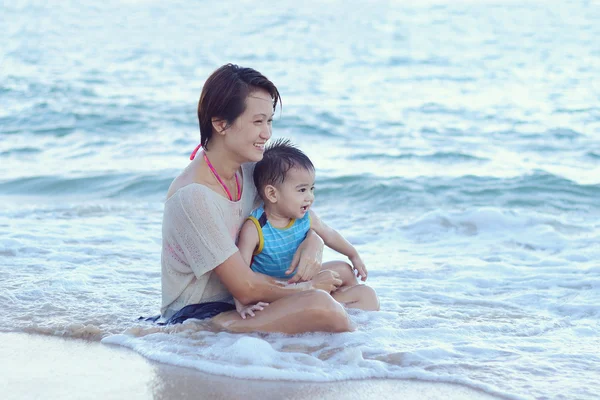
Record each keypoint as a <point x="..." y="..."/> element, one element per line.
<point x="250" y="132"/>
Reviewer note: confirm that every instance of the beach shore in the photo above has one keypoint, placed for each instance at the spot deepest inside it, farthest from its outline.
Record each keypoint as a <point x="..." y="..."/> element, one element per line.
<point x="42" y="367"/>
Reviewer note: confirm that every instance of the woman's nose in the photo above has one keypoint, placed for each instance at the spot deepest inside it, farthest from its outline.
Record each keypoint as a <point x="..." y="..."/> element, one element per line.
<point x="266" y="133"/>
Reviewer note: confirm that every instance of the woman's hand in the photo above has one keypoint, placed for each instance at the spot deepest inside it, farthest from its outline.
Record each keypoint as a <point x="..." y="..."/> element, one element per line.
<point x="307" y="259"/>
<point x="326" y="280"/>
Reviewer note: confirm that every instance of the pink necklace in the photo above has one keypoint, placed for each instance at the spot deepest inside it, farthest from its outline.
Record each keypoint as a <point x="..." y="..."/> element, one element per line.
<point x="237" y="182"/>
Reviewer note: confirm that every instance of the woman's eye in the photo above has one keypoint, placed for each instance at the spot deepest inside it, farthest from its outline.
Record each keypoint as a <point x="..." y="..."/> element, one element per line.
<point x="302" y="190"/>
<point x="258" y="122"/>
<point x="270" y="121"/>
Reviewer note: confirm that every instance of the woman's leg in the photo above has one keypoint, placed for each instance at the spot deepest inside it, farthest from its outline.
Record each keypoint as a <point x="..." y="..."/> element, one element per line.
<point x="350" y="293"/>
<point x="310" y="311"/>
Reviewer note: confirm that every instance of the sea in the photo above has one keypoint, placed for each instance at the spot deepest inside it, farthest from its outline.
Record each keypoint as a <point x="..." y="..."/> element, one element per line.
<point x="456" y="145"/>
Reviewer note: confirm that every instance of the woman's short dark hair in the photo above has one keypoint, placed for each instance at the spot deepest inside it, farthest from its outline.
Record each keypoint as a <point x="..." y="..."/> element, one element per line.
<point x="224" y="96"/>
<point x="279" y="157"/>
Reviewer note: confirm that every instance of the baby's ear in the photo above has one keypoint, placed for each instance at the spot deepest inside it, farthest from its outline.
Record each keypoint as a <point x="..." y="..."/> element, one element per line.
<point x="270" y="193"/>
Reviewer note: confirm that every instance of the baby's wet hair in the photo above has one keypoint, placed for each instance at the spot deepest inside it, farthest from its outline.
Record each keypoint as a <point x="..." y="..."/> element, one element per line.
<point x="279" y="157"/>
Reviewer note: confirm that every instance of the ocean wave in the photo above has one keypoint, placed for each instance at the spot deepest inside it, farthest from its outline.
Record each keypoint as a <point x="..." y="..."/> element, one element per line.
<point x="20" y="151"/>
<point x="439" y="157"/>
<point x="593" y="155"/>
<point x="41" y="120"/>
<point x="323" y="125"/>
<point x="539" y="190"/>
<point x="59" y="108"/>
<point x="551" y="135"/>
<point x="436" y="61"/>
<point x="106" y="185"/>
<point x="529" y="230"/>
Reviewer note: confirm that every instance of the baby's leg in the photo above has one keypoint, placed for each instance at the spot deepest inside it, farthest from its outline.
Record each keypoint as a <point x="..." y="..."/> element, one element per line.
<point x="359" y="296"/>
<point x="351" y="294"/>
<point x="344" y="269"/>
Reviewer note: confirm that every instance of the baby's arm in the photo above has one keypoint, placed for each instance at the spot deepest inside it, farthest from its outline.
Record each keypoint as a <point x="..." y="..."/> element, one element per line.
<point x="335" y="241"/>
<point x="247" y="242"/>
<point x="245" y="310"/>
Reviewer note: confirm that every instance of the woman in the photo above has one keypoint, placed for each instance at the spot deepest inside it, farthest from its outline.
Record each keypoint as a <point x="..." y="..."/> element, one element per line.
<point x="205" y="208"/>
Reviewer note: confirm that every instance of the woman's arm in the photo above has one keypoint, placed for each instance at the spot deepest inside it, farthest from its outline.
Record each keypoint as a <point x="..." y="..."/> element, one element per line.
<point x="307" y="259"/>
<point x="250" y="287"/>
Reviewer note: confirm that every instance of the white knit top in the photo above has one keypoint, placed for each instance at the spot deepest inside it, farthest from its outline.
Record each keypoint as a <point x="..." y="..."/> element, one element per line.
<point x="199" y="232"/>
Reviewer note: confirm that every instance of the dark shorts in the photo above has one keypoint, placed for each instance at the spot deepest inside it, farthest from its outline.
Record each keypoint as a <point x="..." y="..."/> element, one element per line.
<point x="196" y="311"/>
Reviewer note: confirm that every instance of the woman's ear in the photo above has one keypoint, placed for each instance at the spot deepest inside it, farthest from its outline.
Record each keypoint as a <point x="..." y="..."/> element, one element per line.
<point x="219" y="125"/>
<point x="270" y="192"/>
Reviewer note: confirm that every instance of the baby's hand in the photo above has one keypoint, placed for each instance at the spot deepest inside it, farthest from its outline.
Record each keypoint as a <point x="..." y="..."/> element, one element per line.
<point x="359" y="266"/>
<point x="249" y="310"/>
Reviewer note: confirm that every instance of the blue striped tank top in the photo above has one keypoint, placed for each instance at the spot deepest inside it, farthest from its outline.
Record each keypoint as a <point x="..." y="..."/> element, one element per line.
<point x="277" y="246"/>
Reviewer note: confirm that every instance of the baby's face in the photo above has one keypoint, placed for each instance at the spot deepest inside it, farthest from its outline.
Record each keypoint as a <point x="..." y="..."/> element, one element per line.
<point x="297" y="193"/>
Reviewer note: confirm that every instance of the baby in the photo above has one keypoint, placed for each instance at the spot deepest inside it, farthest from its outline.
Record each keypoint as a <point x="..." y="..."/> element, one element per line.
<point x="268" y="240"/>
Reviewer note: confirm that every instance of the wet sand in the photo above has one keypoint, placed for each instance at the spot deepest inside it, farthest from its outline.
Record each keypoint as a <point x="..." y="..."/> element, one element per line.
<point x="42" y="367"/>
